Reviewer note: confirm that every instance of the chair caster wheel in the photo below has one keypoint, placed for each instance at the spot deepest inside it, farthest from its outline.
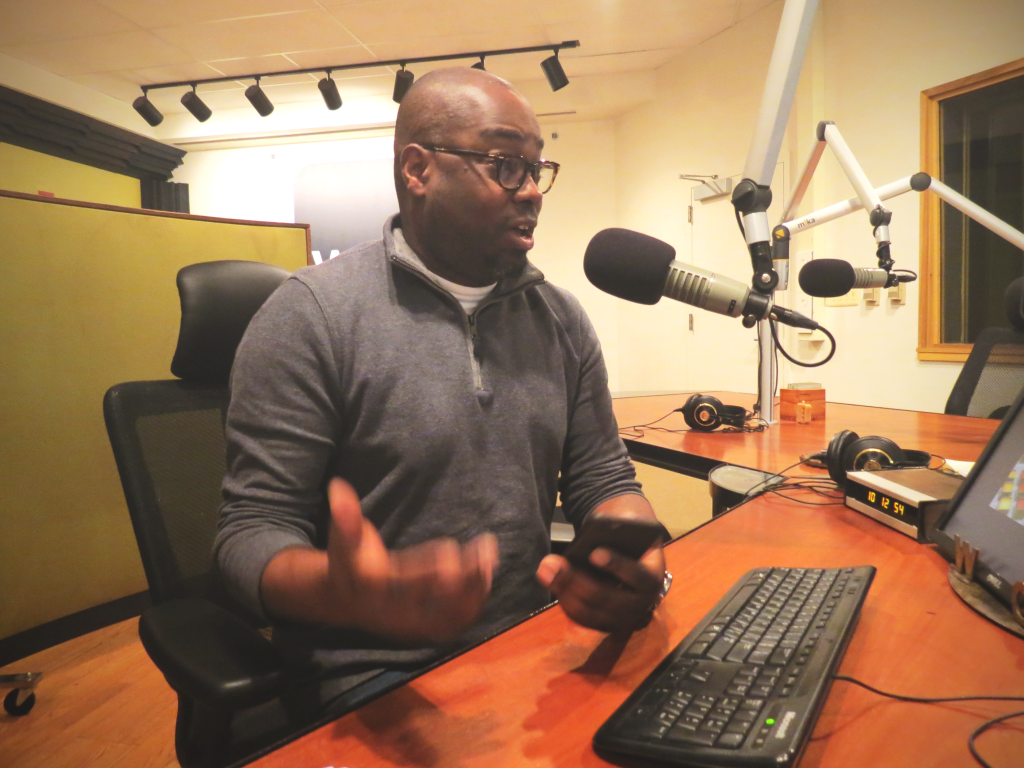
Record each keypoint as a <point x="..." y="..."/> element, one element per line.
<point x="14" y="708"/>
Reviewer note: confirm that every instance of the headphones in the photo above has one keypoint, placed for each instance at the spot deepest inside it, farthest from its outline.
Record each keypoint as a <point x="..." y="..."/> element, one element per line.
<point x="705" y="413"/>
<point x="849" y="452"/>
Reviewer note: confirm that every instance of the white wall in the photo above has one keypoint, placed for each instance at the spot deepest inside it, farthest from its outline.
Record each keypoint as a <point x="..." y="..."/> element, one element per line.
<point x="869" y="62"/>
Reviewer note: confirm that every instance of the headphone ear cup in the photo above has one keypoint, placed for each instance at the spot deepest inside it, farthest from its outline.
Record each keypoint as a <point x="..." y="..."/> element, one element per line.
<point x="873" y="453"/>
<point x="917" y="458"/>
<point x="687" y="411"/>
<point x="706" y="413"/>
<point x="834" y="455"/>
<point x="734" y="415"/>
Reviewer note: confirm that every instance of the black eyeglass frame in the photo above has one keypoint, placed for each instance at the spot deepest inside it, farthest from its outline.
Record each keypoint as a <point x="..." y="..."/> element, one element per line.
<point x="528" y="168"/>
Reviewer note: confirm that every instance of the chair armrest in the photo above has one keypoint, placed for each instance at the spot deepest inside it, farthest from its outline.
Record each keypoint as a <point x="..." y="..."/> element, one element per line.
<point x="212" y="655"/>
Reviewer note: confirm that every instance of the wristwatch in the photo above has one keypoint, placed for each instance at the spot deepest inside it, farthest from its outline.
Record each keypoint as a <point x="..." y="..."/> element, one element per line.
<point x="665" y="586"/>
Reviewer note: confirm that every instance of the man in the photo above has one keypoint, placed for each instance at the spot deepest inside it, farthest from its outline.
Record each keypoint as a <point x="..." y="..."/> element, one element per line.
<point x="404" y="417"/>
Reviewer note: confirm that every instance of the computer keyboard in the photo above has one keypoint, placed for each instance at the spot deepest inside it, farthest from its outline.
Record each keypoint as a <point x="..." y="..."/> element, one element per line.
<point x="745" y="687"/>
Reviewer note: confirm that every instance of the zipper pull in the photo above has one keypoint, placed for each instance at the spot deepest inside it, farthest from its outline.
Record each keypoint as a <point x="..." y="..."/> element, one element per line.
<point x="472" y="326"/>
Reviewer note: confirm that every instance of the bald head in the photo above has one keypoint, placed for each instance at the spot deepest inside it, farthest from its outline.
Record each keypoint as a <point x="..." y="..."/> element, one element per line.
<point x="444" y="101"/>
<point x="448" y="102"/>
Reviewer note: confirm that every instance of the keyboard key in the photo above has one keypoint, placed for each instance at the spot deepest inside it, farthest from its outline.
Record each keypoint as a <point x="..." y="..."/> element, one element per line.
<point x="720" y="649"/>
<point x="730" y="740"/>
<point x="696" y="649"/>
<point x="713" y="724"/>
<point x="698" y="738"/>
<point x="739" y="726"/>
<point x="690" y="722"/>
<point x="739" y="652"/>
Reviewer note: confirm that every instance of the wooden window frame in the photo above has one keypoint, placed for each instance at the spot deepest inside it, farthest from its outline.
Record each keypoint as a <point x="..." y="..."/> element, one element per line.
<point x="930" y="346"/>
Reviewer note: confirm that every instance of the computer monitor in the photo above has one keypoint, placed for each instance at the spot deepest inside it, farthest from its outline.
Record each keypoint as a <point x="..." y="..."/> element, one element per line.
<point x="987" y="511"/>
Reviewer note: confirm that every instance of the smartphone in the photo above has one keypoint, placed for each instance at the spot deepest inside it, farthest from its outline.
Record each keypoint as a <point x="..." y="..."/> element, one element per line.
<point x="628" y="537"/>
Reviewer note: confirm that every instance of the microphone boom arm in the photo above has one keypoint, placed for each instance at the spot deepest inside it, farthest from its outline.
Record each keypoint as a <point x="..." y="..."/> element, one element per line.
<point x="919" y="182"/>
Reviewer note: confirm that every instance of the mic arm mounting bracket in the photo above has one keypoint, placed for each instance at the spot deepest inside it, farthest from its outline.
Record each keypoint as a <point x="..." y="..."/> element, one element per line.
<point x="751" y="201"/>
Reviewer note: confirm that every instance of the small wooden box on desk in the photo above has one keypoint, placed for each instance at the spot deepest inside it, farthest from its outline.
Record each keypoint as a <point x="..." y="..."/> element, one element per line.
<point x="802" y="403"/>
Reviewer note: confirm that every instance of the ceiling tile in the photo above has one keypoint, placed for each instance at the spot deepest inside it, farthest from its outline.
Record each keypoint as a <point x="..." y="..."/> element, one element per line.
<point x="110" y="84"/>
<point x="597" y="36"/>
<point x="99" y="53"/>
<point x="161" y="13"/>
<point x="256" y="64"/>
<point x="259" y="36"/>
<point x="447" y="44"/>
<point x="325" y="57"/>
<point x="44" y="20"/>
<point x="174" y="74"/>
<point x="383" y="21"/>
<point x="605" y="64"/>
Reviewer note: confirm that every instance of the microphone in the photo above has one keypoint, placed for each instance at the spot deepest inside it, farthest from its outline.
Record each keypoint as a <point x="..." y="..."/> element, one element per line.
<point x="642" y="269"/>
<point x="834" y="277"/>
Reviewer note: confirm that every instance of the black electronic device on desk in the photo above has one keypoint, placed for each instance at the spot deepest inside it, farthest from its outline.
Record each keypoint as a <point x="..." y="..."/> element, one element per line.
<point x="745" y="687"/>
<point x="982" y="531"/>
<point x="910" y="501"/>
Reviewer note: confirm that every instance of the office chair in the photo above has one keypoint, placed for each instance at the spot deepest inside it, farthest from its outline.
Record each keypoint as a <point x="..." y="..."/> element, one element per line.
<point x="168" y="442"/>
<point x="993" y="375"/>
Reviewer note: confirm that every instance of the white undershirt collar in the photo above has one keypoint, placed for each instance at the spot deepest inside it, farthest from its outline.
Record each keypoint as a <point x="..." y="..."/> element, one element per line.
<point x="468" y="296"/>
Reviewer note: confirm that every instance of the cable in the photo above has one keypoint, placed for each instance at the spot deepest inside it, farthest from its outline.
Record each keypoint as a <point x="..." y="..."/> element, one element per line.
<point x="778" y="346"/>
<point x="984" y="727"/>
<point x="945" y="700"/>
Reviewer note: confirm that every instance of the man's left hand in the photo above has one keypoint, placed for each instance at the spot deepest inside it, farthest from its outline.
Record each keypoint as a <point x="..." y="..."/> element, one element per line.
<point x="621" y="604"/>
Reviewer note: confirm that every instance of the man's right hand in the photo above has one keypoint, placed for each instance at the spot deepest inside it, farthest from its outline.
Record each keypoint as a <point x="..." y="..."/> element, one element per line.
<point x="429" y="593"/>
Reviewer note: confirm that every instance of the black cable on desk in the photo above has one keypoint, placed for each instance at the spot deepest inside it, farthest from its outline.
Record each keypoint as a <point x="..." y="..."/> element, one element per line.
<point x="945" y="700"/>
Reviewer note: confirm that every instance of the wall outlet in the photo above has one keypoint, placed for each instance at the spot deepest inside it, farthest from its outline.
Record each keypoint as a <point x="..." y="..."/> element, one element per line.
<point x="897" y="295"/>
<point x="846" y="300"/>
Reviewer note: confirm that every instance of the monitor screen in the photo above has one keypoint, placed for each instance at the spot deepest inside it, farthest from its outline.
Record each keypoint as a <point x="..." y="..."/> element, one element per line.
<point x="988" y="511"/>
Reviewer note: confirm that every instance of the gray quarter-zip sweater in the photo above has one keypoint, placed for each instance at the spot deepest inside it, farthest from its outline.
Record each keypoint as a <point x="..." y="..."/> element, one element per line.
<point x="445" y="424"/>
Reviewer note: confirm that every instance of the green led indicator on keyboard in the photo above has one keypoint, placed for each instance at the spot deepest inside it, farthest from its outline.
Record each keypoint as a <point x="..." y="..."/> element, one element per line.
<point x="770" y="721"/>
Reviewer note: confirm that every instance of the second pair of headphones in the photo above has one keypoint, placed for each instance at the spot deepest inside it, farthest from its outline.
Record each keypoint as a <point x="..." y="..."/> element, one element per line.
<point x="705" y="413"/>
<point x="849" y="452"/>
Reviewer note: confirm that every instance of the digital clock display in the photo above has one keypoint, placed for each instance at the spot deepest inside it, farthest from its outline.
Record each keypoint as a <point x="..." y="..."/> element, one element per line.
<point x="884" y="503"/>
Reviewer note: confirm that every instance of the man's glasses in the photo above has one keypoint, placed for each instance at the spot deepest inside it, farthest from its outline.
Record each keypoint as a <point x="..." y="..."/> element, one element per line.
<point x="511" y="171"/>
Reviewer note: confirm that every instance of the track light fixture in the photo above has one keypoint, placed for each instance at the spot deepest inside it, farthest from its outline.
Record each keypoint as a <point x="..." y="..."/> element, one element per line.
<point x="195" y="105"/>
<point x="329" y="90"/>
<point x="145" y="107"/>
<point x="259" y="99"/>
<point x="403" y="79"/>
<point x="553" y="70"/>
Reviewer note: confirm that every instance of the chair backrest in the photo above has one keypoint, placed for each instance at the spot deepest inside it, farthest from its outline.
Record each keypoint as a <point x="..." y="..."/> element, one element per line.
<point x="992" y="377"/>
<point x="168" y="436"/>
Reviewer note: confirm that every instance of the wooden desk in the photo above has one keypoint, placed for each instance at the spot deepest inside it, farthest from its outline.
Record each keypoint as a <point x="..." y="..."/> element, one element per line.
<point x="696" y="453"/>
<point x="535" y="695"/>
